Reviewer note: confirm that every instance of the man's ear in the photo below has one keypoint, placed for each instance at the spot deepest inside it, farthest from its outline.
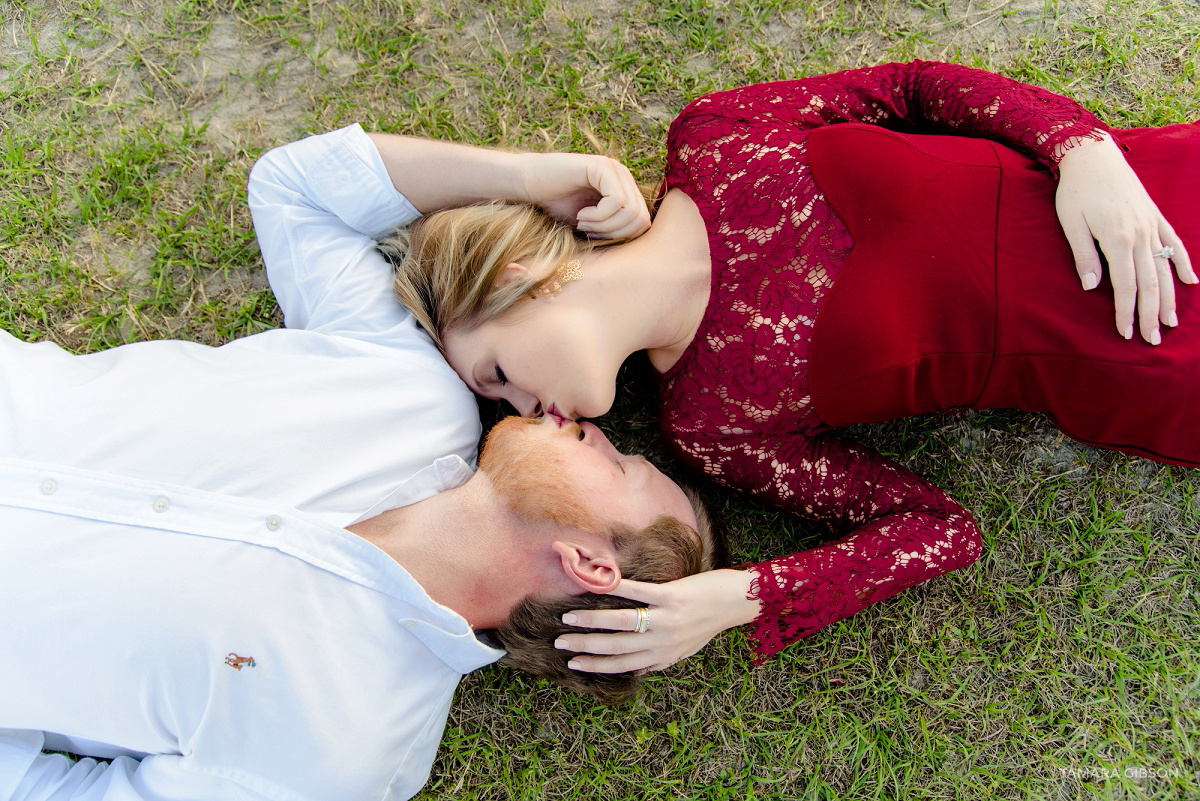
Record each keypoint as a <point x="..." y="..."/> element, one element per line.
<point x="591" y="568"/>
<point x="512" y="272"/>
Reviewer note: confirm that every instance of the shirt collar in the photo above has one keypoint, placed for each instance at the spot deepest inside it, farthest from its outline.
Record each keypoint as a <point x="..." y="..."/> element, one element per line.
<point x="442" y="630"/>
<point x="444" y="473"/>
<point x="453" y="641"/>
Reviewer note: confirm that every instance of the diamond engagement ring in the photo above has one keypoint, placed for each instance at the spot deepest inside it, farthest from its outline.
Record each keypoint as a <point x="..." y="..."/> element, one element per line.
<point x="643" y="622"/>
<point x="1165" y="253"/>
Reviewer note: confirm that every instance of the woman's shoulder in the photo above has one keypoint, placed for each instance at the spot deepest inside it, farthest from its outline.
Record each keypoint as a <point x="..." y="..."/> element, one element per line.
<point x="712" y="116"/>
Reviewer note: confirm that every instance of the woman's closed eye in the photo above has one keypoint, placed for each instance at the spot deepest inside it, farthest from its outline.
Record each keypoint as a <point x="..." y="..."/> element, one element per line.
<point x="500" y="376"/>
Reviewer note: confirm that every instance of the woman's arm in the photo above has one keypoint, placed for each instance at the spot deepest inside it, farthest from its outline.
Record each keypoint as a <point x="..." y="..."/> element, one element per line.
<point x="594" y="193"/>
<point x="914" y="97"/>
<point x="1099" y="198"/>
<point x="320" y="204"/>
<point x="902" y="531"/>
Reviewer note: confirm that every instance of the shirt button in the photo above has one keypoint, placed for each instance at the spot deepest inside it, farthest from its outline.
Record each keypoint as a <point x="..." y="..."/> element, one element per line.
<point x="161" y="504"/>
<point x="408" y="624"/>
<point x="274" y="522"/>
<point x="49" y="486"/>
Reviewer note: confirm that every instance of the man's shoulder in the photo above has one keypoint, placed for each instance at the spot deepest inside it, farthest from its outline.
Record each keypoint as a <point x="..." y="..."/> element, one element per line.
<point x="404" y="346"/>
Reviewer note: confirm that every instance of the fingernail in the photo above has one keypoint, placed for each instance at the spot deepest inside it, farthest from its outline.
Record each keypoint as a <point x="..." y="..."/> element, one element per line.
<point x="569" y="618"/>
<point x="1090" y="281"/>
<point x="574" y="665"/>
<point x="1155" y="338"/>
<point x="561" y="644"/>
<point x="1129" y="332"/>
<point x="1174" y="321"/>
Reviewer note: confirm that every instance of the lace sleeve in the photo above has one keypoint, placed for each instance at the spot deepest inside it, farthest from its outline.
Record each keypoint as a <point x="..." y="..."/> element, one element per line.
<point x="916" y="97"/>
<point x="902" y="529"/>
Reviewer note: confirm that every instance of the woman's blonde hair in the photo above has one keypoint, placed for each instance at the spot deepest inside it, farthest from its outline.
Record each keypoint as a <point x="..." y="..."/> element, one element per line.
<point x="446" y="264"/>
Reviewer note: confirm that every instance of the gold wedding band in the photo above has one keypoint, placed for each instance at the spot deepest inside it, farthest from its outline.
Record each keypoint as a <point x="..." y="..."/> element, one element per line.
<point x="643" y="622"/>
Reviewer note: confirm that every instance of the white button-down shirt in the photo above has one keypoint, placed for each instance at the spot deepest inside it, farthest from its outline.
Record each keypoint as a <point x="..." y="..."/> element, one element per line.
<point x="177" y="589"/>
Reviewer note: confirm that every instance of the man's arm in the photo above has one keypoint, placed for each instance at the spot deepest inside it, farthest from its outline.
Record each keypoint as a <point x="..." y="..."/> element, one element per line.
<point x="319" y="205"/>
<point x="163" y="777"/>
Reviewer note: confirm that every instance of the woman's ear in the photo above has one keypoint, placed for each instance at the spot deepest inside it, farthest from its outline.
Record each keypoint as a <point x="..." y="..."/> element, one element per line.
<point x="591" y="568"/>
<point x="512" y="272"/>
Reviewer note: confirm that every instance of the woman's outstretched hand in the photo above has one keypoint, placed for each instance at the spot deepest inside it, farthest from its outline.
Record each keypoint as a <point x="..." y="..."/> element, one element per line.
<point x="684" y="615"/>
<point x="596" y="194"/>
<point x="1101" y="198"/>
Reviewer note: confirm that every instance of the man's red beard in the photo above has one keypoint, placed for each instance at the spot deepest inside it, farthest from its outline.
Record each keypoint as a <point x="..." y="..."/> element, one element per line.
<point x="533" y="479"/>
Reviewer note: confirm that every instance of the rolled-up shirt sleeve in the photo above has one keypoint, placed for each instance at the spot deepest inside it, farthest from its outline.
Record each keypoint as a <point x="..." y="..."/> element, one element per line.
<point x="319" y="205"/>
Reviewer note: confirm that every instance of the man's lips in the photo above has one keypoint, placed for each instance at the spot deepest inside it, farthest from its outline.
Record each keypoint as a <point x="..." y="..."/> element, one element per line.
<point x="556" y="414"/>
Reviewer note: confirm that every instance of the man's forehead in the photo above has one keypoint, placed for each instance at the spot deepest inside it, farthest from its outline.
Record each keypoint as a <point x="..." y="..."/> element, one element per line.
<point x="667" y="496"/>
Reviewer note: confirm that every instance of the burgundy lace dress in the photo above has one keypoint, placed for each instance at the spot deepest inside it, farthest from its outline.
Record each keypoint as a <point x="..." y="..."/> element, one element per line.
<point x="762" y="164"/>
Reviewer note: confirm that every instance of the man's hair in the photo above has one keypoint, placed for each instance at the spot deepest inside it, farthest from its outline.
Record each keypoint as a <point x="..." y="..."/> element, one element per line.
<point x="666" y="550"/>
<point x="446" y="264"/>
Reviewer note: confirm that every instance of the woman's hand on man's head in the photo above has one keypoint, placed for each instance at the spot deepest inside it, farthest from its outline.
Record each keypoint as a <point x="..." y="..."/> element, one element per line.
<point x="683" y="616"/>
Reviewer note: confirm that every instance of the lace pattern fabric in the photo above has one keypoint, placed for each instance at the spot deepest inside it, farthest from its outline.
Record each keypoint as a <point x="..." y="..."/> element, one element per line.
<point x="736" y="405"/>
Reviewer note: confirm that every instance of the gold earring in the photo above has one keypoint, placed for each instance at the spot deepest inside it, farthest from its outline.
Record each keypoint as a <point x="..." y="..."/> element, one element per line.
<point x="571" y="271"/>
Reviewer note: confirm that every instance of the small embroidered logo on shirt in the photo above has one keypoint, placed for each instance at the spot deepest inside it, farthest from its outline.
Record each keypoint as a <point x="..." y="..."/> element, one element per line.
<point x="238" y="662"/>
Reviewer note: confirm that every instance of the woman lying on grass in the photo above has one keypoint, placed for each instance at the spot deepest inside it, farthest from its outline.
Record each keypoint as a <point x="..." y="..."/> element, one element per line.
<point x="843" y="249"/>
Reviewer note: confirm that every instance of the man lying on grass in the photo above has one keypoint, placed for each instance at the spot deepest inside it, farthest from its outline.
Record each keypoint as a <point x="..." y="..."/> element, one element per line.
<point x="259" y="570"/>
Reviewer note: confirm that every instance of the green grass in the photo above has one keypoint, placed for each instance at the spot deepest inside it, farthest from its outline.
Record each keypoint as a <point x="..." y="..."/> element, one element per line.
<point x="1064" y="664"/>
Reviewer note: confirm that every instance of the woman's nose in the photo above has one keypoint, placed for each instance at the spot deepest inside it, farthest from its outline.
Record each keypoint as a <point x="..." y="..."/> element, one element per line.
<point x="525" y="404"/>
